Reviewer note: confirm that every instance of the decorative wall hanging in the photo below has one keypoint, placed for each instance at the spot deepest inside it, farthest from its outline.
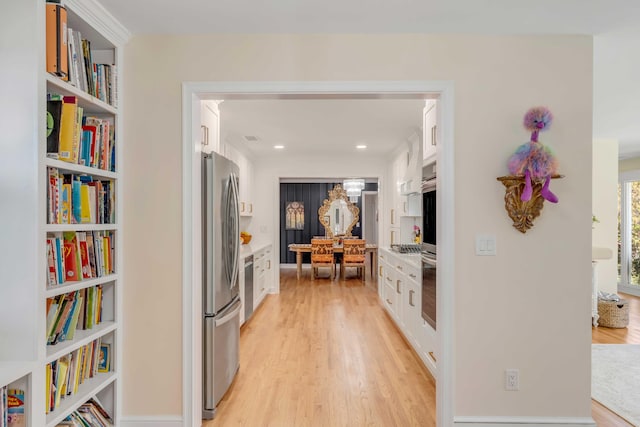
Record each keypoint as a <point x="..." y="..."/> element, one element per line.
<point x="295" y="216"/>
<point x="532" y="167"/>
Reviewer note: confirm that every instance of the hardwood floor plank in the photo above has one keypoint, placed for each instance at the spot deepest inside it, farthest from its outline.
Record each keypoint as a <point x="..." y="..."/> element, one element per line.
<point x="628" y="335"/>
<point x="325" y="353"/>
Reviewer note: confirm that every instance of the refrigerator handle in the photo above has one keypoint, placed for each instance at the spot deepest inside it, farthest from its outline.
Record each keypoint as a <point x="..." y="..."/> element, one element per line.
<point x="235" y="224"/>
<point x="233" y="312"/>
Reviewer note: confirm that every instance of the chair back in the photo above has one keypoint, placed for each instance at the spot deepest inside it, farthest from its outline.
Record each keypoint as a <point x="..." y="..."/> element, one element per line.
<point x="322" y="251"/>
<point x="354" y="251"/>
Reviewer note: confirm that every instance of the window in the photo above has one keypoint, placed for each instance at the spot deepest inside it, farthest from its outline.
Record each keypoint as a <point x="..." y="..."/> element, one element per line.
<point x="629" y="230"/>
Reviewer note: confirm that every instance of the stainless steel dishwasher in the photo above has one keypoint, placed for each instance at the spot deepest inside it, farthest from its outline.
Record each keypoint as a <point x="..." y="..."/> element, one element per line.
<point x="248" y="287"/>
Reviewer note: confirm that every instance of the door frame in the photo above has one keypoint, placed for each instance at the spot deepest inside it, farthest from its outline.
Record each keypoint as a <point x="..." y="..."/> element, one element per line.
<point x="192" y="94"/>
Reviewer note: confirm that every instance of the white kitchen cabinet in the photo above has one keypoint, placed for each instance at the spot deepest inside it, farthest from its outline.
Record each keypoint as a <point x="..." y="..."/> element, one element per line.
<point x="411" y="303"/>
<point x="430" y="129"/>
<point x="390" y="294"/>
<point x="411" y="176"/>
<point x="427" y="340"/>
<point x="210" y="127"/>
<point x="246" y="186"/>
<point x="262" y="274"/>
<point x="400" y="291"/>
<point x="402" y="195"/>
<point x="245" y="166"/>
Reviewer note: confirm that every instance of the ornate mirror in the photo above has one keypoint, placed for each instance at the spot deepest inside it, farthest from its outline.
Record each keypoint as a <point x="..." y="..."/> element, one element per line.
<point x="337" y="214"/>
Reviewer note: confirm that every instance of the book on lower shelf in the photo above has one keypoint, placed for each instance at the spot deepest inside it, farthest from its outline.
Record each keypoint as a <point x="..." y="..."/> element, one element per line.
<point x="65" y="376"/>
<point x="12" y="404"/>
<point x="91" y="414"/>
<point x="66" y="313"/>
<point x="74" y="256"/>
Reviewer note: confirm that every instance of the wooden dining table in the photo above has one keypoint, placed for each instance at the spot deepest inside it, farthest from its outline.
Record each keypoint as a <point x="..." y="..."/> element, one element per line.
<point x="300" y="248"/>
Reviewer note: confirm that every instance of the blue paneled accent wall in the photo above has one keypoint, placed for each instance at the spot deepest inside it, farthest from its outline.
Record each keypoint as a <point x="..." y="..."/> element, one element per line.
<point x="312" y="195"/>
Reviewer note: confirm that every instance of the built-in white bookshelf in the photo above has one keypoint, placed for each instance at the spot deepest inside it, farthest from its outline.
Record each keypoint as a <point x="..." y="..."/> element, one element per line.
<point x="24" y="350"/>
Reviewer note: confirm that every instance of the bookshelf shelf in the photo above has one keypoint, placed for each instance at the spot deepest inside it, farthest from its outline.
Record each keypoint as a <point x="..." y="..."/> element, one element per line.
<point x="82" y="337"/>
<point x="74" y="286"/>
<point x="86" y="390"/>
<point x="90" y="103"/>
<point x="67" y="167"/>
<point x="13" y="371"/>
<point x="53" y="228"/>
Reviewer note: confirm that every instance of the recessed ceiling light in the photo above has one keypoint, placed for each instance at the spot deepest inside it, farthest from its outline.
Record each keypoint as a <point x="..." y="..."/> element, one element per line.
<point x="361" y="147"/>
<point x="278" y="147"/>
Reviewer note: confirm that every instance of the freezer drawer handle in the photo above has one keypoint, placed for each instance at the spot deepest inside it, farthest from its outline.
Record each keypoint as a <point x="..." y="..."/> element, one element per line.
<point x="234" y="312"/>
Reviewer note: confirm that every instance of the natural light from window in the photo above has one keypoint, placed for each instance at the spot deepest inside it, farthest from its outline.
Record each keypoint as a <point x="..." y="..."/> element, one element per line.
<point x="629" y="229"/>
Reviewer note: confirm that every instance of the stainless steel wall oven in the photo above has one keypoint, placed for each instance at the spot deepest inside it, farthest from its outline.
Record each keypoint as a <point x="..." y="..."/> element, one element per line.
<point x="429" y="289"/>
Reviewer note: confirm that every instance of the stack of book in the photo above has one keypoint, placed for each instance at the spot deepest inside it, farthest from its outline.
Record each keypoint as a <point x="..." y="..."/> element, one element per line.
<point x="81" y="309"/>
<point x="65" y="375"/>
<point x="69" y="56"/>
<point x="90" y="414"/>
<point x="76" y="138"/>
<point x="79" y="199"/>
<point x="79" y="255"/>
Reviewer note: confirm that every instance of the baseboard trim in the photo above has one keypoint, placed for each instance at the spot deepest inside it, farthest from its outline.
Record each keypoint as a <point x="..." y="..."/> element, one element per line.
<point x="168" y="421"/>
<point x="524" y="421"/>
<point x="631" y="290"/>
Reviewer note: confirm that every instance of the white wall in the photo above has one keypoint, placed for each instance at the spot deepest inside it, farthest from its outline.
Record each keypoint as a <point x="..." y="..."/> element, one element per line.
<point x="506" y="307"/>
<point x="21" y="261"/>
<point x="605" y="207"/>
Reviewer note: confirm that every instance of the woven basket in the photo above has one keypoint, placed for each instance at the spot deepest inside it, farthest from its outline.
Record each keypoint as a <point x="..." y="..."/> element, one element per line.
<point x="613" y="314"/>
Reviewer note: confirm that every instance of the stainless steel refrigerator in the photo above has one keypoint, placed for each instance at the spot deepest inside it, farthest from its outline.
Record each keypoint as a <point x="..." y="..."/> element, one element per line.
<point x="221" y="303"/>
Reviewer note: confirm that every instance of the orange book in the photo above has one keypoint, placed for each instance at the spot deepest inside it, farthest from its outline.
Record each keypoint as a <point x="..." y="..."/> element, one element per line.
<point x="71" y="257"/>
<point x="56" y="45"/>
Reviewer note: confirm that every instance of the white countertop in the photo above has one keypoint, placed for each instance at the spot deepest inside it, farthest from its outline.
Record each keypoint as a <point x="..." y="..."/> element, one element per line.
<point x="410" y="258"/>
<point x="252" y="247"/>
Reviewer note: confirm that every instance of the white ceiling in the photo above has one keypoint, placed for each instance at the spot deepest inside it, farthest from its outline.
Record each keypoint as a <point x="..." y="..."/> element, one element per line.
<point x="374" y="16"/>
<point x="320" y="125"/>
<point x="613" y="22"/>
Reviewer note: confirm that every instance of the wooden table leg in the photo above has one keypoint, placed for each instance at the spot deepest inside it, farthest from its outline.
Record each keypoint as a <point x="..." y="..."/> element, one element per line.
<point x="299" y="262"/>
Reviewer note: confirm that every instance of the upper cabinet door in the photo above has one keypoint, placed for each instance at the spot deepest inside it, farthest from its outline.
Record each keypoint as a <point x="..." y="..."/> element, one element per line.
<point x="210" y="127"/>
<point x="430" y="131"/>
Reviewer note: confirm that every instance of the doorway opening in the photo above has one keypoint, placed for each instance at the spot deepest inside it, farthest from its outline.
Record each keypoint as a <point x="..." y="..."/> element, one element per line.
<point x="193" y="94"/>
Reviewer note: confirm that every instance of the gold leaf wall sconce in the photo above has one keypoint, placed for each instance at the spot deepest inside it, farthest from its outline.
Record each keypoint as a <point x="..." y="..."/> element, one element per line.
<point x="522" y="213"/>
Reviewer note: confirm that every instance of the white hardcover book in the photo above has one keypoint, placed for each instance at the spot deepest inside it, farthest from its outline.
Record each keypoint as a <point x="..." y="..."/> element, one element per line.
<point x="73" y="74"/>
<point x="82" y="72"/>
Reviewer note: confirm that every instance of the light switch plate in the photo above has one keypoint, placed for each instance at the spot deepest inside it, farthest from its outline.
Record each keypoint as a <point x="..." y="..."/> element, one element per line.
<point x="485" y="245"/>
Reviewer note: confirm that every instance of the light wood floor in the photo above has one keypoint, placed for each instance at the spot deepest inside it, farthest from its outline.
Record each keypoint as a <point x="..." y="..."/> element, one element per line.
<point x="629" y="335"/>
<point x="325" y="353"/>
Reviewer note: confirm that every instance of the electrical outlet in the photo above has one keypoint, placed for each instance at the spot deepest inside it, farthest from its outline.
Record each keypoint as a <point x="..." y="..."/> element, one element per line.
<point x="512" y="380"/>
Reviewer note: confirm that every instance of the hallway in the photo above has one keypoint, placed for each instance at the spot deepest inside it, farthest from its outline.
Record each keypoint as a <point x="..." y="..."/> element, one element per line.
<point x="325" y="353"/>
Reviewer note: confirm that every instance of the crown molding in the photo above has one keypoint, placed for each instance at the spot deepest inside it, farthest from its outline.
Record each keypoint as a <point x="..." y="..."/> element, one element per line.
<point x="98" y="17"/>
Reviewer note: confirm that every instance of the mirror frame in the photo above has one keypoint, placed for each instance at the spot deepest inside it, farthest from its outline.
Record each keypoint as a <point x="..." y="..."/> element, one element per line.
<point x="337" y="193"/>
